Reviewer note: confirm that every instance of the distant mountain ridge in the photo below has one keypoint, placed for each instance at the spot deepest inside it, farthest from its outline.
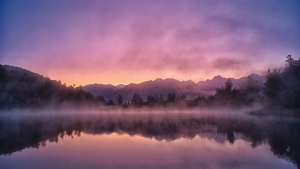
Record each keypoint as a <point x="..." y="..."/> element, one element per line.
<point x="218" y="81"/>
<point x="164" y="86"/>
<point x="104" y="90"/>
<point x="152" y="87"/>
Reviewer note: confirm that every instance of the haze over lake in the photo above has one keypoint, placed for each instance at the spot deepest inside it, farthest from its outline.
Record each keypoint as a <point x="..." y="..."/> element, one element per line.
<point x="172" y="84"/>
<point x="118" y="138"/>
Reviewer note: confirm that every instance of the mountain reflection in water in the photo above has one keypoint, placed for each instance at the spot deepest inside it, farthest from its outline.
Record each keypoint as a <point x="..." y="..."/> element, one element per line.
<point x="281" y="135"/>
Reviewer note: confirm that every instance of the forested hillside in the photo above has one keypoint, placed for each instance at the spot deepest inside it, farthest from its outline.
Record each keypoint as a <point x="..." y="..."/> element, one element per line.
<point x="22" y="88"/>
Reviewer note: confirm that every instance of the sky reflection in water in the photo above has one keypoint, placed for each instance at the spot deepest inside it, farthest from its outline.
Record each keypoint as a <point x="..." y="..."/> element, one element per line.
<point x="124" y="151"/>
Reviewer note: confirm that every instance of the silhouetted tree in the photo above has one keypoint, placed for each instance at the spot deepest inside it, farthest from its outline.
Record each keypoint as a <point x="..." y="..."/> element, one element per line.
<point x="199" y="101"/>
<point x="226" y="95"/>
<point x="100" y="99"/>
<point x="283" y="85"/>
<point x="181" y="100"/>
<point x="159" y="99"/>
<point x="230" y="137"/>
<point x="125" y="105"/>
<point x="137" y="100"/>
<point x="182" y="97"/>
<point x="110" y="102"/>
<point x="274" y="84"/>
<point x="250" y="92"/>
<point x="290" y="61"/>
<point x="120" y="100"/>
<point x="228" y="85"/>
<point x="2" y="74"/>
<point x="171" y="97"/>
<point x="150" y="100"/>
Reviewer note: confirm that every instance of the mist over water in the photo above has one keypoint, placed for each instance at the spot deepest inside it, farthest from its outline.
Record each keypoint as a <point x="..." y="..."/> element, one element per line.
<point x="175" y="84"/>
<point x="189" y="137"/>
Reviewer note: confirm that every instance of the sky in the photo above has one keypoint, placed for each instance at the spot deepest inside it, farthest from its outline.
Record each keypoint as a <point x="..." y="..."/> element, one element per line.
<point x="130" y="41"/>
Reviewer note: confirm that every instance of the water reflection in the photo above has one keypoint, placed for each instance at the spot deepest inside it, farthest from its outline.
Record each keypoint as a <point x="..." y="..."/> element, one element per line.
<point x="124" y="151"/>
<point x="226" y="142"/>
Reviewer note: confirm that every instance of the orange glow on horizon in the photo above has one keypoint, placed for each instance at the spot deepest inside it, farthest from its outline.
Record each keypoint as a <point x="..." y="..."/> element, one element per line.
<point x="116" y="79"/>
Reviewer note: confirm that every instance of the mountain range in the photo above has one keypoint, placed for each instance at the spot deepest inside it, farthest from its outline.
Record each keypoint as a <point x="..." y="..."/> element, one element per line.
<point x="152" y="87"/>
<point x="164" y="86"/>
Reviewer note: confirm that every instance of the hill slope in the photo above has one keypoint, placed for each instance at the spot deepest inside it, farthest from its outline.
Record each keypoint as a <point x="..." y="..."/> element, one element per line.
<point x="23" y="88"/>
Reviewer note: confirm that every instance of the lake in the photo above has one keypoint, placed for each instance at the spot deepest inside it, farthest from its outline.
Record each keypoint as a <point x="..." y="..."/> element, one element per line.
<point x="147" y="139"/>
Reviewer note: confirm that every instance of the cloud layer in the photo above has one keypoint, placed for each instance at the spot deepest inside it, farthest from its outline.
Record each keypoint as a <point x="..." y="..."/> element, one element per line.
<point x="131" y="41"/>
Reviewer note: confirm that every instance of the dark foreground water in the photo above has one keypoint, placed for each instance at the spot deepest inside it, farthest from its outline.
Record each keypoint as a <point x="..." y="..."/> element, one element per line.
<point x="178" y="139"/>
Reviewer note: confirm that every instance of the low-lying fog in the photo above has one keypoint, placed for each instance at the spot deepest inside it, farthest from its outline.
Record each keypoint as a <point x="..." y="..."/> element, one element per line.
<point x="20" y="129"/>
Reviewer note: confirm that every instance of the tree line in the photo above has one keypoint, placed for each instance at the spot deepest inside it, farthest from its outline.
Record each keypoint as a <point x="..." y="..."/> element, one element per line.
<point x="282" y="88"/>
<point x="22" y="89"/>
<point x="283" y="85"/>
<point x="249" y="93"/>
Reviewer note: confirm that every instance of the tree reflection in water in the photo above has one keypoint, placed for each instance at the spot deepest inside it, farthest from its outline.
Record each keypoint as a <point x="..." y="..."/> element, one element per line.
<point x="31" y="131"/>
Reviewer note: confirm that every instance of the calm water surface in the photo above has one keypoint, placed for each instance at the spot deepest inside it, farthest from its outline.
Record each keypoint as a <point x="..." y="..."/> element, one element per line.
<point x="141" y="143"/>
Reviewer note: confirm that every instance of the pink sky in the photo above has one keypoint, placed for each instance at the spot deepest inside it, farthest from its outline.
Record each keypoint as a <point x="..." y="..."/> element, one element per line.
<point x="119" y="42"/>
